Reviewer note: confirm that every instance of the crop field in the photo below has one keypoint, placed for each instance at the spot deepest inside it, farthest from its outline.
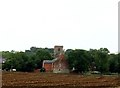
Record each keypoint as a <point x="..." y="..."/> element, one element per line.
<point x="50" y="80"/>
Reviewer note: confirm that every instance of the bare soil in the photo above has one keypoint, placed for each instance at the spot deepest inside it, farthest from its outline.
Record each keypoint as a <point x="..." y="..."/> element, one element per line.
<point x="50" y="80"/>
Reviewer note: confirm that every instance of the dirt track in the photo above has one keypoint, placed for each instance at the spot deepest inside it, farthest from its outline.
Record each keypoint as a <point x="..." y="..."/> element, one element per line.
<point x="50" y="80"/>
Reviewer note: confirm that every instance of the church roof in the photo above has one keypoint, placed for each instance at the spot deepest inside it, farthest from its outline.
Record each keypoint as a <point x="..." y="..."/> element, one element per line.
<point x="50" y="61"/>
<point x="47" y="61"/>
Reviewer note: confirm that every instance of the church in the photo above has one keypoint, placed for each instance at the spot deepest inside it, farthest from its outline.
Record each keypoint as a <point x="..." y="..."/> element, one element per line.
<point x="59" y="64"/>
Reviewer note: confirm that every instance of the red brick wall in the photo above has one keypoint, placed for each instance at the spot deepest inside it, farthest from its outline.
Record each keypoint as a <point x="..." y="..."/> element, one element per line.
<point x="48" y="67"/>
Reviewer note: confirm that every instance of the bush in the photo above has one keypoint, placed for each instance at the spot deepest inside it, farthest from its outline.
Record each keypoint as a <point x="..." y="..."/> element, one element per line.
<point x="42" y="70"/>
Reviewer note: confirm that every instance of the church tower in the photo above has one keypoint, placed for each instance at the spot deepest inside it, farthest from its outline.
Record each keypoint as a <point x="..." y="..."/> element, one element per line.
<point x="58" y="50"/>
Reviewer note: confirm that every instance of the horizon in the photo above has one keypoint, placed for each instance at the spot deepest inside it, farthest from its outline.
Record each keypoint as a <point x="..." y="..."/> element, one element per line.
<point x="53" y="48"/>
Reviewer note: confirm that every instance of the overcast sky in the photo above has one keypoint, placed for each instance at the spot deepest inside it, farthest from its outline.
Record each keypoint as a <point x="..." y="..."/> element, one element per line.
<point x="82" y="24"/>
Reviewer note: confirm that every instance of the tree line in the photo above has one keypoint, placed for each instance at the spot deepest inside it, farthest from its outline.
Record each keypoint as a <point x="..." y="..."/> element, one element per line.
<point x="94" y="60"/>
<point x="81" y="60"/>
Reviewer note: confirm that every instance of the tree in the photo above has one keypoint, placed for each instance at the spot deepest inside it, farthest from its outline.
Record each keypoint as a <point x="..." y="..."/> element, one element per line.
<point x="92" y="61"/>
<point x="101" y="60"/>
<point x="113" y="63"/>
<point x="78" y="59"/>
<point x="19" y="61"/>
<point x="41" y="55"/>
<point x="118" y="62"/>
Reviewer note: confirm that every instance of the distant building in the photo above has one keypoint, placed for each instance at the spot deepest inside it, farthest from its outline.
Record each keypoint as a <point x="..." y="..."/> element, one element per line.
<point x="59" y="64"/>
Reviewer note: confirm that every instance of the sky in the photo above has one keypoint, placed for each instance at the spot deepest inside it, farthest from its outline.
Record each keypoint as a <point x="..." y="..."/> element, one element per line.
<point x="82" y="24"/>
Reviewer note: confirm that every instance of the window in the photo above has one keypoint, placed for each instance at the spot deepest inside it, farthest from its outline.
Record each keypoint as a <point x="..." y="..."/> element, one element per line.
<point x="58" y="49"/>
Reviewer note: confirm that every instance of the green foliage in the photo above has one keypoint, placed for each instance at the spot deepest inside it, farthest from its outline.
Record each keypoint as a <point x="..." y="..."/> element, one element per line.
<point x="82" y="60"/>
<point x="118" y="63"/>
<point x="78" y="60"/>
<point x="92" y="60"/>
<point x="25" y="61"/>
<point x="102" y="60"/>
<point x="42" y="70"/>
<point x="113" y="63"/>
<point x="41" y="55"/>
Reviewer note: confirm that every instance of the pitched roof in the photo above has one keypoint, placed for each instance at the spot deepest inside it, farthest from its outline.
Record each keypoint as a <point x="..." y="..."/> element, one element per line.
<point x="50" y="61"/>
<point x="47" y="61"/>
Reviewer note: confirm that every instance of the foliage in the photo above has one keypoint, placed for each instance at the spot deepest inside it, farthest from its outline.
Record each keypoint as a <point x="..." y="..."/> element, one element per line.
<point x="93" y="60"/>
<point x="113" y="63"/>
<point x="78" y="60"/>
<point x="81" y="60"/>
<point x="25" y="61"/>
<point x="102" y="60"/>
<point x="42" y="70"/>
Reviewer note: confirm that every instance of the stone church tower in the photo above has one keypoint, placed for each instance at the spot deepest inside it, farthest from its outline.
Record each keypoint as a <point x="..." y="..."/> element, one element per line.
<point x="58" y="50"/>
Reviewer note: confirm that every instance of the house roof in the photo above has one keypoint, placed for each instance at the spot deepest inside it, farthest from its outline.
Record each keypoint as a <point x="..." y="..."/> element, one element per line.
<point x="50" y="61"/>
<point x="55" y="59"/>
<point x="47" y="61"/>
<point x="60" y="57"/>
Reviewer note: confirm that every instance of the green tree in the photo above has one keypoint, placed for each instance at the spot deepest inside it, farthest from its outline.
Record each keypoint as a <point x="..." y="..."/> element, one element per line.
<point x="101" y="60"/>
<point x="19" y="61"/>
<point x="113" y="63"/>
<point x="78" y="59"/>
<point x="118" y="62"/>
<point x="41" y="55"/>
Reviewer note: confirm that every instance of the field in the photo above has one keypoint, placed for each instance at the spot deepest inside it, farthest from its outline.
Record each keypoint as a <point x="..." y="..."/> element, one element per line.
<point x="50" y="80"/>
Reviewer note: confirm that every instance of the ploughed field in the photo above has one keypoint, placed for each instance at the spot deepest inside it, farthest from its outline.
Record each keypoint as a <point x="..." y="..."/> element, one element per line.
<point x="50" y="80"/>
